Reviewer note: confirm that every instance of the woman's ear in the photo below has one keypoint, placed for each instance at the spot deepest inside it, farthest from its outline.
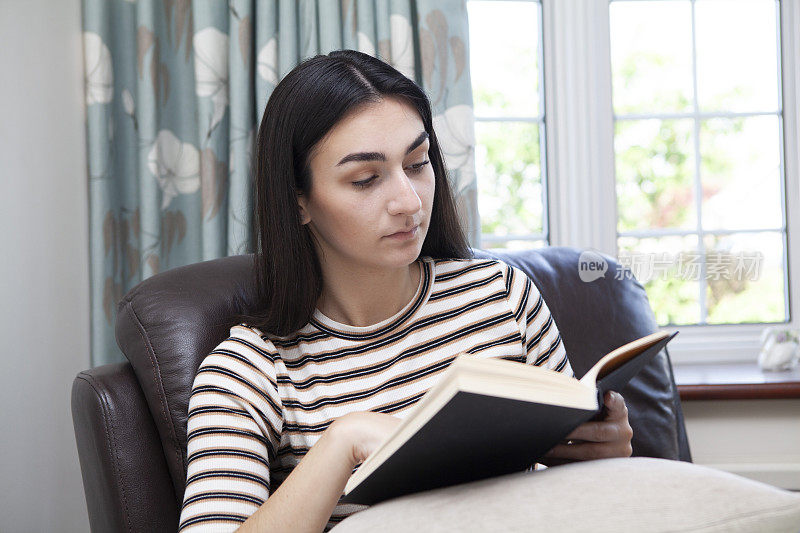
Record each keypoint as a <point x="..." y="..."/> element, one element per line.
<point x="302" y="202"/>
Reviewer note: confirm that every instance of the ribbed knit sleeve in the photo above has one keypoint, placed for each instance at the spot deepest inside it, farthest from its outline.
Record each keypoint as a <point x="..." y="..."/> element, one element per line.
<point x="234" y="429"/>
<point x="540" y="336"/>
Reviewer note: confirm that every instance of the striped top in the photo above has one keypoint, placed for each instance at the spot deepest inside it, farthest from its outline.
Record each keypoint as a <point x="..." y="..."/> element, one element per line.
<point x="259" y="402"/>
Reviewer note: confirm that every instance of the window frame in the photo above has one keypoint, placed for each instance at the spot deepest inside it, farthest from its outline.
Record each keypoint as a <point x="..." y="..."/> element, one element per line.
<point x="581" y="182"/>
<point x="539" y="120"/>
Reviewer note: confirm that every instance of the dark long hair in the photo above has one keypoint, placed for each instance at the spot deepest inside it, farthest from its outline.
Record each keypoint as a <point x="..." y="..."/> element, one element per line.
<point x="302" y="109"/>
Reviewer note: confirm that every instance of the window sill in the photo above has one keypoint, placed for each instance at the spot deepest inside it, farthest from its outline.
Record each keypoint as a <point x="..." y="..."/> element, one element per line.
<point x="735" y="381"/>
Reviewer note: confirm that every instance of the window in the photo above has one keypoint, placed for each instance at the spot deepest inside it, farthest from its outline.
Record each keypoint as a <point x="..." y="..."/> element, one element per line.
<point x="505" y="59"/>
<point x="691" y="161"/>
<point x="699" y="178"/>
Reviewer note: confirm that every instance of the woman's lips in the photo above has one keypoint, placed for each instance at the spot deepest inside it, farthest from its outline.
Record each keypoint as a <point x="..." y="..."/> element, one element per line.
<point x="404" y="235"/>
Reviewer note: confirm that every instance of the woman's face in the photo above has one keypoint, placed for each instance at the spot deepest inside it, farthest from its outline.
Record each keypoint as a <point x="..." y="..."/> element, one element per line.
<point x="372" y="188"/>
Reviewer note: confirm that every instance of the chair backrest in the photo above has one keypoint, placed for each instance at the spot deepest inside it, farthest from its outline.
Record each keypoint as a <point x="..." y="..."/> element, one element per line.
<point x="168" y="323"/>
<point x="594" y="317"/>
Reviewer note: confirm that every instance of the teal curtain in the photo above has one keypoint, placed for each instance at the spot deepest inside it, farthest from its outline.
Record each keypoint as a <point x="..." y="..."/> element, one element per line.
<point x="174" y="93"/>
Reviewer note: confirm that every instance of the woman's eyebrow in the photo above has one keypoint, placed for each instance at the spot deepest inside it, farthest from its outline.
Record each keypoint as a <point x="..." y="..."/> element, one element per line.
<point x="380" y="156"/>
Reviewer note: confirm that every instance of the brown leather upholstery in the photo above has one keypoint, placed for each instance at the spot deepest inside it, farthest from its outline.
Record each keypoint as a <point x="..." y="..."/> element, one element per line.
<point x="596" y="317"/>
<point x="130" y="419"/>
<point x="125" y="475"/>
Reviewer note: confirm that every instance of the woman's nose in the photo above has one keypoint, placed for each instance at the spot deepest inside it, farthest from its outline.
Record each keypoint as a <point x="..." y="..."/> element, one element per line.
<point x="404" y="199"/>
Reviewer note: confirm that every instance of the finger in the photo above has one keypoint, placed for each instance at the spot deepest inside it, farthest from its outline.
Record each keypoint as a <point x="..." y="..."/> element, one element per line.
<point x="615" y="406"/>
<point x="597" y="432"/>
<point x="579" y="452"/>
<point x="582" y="452"/>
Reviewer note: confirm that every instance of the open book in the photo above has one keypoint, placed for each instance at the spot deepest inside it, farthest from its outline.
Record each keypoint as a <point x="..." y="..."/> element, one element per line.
<point x="489" y="417"/>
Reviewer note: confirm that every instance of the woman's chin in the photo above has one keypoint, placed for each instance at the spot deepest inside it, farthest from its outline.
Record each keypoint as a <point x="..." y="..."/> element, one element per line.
<point x="399" y="258"/>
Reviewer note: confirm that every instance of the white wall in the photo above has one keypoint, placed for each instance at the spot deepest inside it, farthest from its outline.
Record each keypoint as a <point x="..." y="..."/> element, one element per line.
<point x="759" y="439"/>
<point x="44" y="270"/>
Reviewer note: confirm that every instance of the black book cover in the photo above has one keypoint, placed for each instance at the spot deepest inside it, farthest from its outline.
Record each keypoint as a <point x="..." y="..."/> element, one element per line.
<point x="477" y="436"/>
<point x="472" y="437"/>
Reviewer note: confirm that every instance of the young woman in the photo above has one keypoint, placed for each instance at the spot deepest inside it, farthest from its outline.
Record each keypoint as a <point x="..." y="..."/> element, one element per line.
<point x="370" y="291"/>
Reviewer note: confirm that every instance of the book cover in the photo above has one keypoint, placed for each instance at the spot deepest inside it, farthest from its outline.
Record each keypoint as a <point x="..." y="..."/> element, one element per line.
<point x="472" y="426"/>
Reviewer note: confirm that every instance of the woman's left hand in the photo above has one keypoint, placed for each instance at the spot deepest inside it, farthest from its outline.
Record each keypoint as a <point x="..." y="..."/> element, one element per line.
<point x="609" y="437"/>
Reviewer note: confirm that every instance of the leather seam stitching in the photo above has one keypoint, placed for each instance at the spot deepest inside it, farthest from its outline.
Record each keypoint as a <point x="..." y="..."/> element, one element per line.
<point x="111" y="436"/>
<point x="156" y="379"/>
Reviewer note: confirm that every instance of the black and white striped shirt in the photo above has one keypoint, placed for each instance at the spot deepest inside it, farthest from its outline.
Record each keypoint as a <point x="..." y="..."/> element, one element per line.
<point x="260" y="402"/>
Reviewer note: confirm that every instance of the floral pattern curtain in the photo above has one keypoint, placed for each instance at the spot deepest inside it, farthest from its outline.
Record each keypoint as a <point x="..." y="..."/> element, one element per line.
<point x="174" y="93"/>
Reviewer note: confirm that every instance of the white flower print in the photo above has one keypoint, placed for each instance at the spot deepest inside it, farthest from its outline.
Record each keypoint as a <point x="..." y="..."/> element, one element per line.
<point x="211" y="69"/>
<point x="402" y="45"/>
<point x="98" y="74"/>
<point x="175" y="165"/>
<point x="268" y="62"/>
<point x="456" y="134"/>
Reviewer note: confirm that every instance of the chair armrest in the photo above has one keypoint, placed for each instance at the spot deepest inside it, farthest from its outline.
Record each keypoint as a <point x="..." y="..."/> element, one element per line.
<point x="125" y="476"/>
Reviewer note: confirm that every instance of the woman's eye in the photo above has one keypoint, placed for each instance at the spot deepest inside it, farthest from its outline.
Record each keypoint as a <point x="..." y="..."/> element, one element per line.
<point x="365" y="183"/>
<point x="413" y="169"/>
<point x="418" y="166"/>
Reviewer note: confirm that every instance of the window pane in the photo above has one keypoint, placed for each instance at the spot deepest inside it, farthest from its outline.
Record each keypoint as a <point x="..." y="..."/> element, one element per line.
<point x="741" y="167"/>
<point x="669" y="269"/>
<point x="745" y="278"/>
<point x="651" y="56"/>
<point x="509" y="178"/>
<point x="737" y="57"/>
<point x="655" y="174"/>
<point x="504" y="58"/>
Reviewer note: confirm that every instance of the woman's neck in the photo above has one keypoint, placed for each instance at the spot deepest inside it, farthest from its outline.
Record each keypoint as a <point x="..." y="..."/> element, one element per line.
<point x="362" y="298"/>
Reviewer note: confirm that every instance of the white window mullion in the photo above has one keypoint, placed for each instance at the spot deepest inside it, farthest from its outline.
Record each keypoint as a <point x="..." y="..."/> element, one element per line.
<point x="580" y="124"/>
<point x="790" y="93"/>
<point x="698" y="185"/>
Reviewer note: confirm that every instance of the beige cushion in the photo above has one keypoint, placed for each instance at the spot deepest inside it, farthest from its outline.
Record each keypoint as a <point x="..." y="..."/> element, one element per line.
<point x="633" y="494"/>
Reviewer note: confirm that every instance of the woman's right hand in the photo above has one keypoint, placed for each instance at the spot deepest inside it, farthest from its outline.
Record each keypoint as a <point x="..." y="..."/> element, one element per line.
<point x="308" y="496"/>
<point x="364" y="431"/>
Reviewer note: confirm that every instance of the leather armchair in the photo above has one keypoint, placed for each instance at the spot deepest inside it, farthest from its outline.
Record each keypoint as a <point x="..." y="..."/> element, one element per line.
<point x="130" y="418"/>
